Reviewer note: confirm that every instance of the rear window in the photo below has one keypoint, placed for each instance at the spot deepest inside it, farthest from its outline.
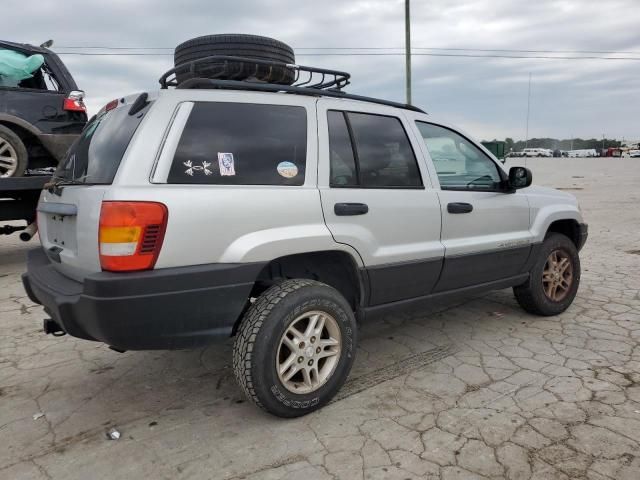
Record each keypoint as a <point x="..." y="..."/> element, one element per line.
<point x="96" y="154"/>
<point x="242" y="144"/>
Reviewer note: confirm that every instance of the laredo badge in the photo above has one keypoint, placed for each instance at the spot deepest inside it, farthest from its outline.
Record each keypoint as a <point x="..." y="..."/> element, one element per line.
<point x="225" y="162"/>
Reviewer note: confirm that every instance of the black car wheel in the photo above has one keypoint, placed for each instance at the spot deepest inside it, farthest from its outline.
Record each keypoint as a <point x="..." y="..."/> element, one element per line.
<point x="295" y="347"/>
<point x="237" y="45"/>
<point x="13" y="154"/>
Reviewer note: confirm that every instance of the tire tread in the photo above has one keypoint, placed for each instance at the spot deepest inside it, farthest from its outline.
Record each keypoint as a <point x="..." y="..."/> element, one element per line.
<point x="250" y="327"/>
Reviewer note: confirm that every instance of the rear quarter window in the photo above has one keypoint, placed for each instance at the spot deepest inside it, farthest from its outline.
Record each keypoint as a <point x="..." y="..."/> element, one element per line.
<point x="242" y="144"/>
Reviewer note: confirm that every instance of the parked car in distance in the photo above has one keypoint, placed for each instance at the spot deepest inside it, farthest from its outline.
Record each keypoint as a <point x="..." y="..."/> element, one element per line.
<point x="280" y="215"/>
<point x="589" y="152"/>
<point x="40" y="116"/>
<point x="634" y="153"/>
<point x="537" y="152"/>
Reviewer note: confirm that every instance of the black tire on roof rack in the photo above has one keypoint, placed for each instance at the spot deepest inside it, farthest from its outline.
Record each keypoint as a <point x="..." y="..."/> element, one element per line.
<point x="238" y="45"/>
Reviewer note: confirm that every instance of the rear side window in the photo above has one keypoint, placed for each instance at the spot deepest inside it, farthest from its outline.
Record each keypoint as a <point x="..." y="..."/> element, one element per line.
<point x="96" y="154"/>
<point x="370" y="151"/>
<point x="242" y="144"/>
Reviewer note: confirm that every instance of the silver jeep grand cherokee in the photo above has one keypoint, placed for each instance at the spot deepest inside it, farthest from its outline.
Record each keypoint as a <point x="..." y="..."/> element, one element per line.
<point x="281" y="215"/>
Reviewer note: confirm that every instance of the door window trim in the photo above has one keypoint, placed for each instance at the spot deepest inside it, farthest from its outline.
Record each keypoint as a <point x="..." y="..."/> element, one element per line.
<point x="503" y="175"/>
<point x="356" y="158"/>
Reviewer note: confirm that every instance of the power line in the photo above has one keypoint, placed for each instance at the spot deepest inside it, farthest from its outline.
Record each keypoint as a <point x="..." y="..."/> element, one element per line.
<point x="512" y="50"/>
<point x="535" y="57"/>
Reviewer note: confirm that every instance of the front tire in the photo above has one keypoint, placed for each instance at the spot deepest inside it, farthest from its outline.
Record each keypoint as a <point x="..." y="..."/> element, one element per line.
<point x="554" y="278"/>
<point x="295" y="347"/>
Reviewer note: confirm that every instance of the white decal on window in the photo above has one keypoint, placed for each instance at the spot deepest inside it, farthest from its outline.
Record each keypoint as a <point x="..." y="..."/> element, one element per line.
<point x="191" y="168"/>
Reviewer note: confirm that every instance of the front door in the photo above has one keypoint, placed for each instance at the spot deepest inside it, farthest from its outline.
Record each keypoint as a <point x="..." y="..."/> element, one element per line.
<point x="377" y="197"/>
<point x="485" y="231"/>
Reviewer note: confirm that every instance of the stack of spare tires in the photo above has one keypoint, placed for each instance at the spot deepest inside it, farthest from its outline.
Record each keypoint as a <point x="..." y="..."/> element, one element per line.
<point x="236" y="45"/>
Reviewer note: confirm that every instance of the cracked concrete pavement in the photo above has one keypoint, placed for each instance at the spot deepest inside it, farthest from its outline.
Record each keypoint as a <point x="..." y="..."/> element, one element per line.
<point x="475" y="388"/>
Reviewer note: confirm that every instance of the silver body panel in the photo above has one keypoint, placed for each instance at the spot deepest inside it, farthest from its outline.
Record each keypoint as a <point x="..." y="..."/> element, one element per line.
<point x="246" y="223"/>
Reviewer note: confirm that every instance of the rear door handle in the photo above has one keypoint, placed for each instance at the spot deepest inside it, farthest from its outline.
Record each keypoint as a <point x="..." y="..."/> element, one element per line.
<point x="459" y="207"/>
<point x="345" y="209"/>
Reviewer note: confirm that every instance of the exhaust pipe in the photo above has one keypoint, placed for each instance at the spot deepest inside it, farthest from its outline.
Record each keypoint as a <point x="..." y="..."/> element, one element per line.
<point x="28" y="233"/>
<point x="50" y="327"/>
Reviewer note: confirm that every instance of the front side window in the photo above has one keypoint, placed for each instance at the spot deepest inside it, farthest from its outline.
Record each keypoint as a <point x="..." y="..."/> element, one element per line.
<point x="242" y="144"/>
<point x="458" y="162"/>
<point x="370" y="151"/>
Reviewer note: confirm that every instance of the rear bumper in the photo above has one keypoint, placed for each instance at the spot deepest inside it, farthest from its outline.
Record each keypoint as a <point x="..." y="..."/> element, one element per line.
<point x="159" y="309"/>
<point x="583" y="233"/>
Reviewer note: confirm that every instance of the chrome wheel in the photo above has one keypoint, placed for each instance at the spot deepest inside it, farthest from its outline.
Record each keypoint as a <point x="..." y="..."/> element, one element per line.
<point x="557" y="276"/>
<point x="8" y="159"/>
<point x="308" y="352"/>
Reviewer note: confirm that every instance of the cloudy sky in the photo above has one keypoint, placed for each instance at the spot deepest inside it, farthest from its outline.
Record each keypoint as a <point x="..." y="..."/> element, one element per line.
<point x="485" y="96"/>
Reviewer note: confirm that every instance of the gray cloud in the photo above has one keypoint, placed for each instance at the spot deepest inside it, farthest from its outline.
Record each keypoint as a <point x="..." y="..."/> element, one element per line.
<point x="485" y="96"/>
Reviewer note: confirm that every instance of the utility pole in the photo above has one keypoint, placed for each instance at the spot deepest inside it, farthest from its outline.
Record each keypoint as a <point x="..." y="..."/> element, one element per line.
<point x="603" y="143"/>
<point x="407" y="50"/>
<point x="526" y="142"/>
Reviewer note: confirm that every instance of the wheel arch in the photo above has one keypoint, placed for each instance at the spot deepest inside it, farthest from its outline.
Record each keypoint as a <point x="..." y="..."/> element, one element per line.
<point x="27" y="132"/>
<point x="568" y="227"/>
<point x="336" y="268"/>
<point x="560" y="218"/>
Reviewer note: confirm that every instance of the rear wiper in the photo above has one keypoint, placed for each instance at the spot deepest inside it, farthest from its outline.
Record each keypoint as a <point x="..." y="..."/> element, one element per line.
<point x="55" y="187"/>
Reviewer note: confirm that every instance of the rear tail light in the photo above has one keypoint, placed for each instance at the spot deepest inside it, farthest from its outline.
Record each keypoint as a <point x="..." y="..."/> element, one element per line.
<point x="131" y="235"/>
<point x="75" y="102"/>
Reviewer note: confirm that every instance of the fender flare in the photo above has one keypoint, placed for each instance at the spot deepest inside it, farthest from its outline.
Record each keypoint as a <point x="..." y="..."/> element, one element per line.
<point x="552" y="213"/>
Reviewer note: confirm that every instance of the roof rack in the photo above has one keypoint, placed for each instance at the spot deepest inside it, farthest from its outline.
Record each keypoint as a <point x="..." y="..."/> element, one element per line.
<point x="206" y="73"/>
<point x="228" y="67"/>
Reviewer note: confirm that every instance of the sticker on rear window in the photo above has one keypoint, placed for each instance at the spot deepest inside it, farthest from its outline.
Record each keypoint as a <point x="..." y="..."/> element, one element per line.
<point x="225" y="161"/>
<point x="287" y="169"/>
<point x="191" y="168"/>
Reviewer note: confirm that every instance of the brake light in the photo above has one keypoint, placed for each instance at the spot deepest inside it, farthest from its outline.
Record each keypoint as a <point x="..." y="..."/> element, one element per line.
<point x="75" y="102"/>
<point x="131" y="235"/>
<point x="111" y="105"/>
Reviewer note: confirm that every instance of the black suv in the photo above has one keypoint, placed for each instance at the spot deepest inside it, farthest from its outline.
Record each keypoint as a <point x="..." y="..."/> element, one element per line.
<point x="40" y="117"/>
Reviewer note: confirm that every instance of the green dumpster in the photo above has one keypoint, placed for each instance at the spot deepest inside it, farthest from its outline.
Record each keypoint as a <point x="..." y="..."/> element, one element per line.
<point x="495" y="147"/>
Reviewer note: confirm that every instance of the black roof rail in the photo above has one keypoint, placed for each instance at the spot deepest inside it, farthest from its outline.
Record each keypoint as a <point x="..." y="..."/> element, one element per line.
<point x="209" y="83"/>
<point x="217" y="72"/>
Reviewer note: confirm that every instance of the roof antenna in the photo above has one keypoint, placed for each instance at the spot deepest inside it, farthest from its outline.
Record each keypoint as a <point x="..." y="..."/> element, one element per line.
<point x="47" y="44"/>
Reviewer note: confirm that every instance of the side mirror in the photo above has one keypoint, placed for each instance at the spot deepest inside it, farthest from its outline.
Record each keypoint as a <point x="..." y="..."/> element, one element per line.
<point x="519" y="177"/>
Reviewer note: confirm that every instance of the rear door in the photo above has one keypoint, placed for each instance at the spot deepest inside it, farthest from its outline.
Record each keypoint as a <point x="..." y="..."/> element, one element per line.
<point x="485" y="231"/>
<point x="378" y="198"/>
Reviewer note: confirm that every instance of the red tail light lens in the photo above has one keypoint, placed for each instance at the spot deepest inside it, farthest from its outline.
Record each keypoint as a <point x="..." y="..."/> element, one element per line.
<point x="75" y="102"/>
<point x="131" y="235"/>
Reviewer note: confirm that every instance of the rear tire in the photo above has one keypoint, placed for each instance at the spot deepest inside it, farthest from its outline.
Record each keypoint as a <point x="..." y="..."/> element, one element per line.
<point x="263" y="358"/>
<point x="558" y="265"/>
<point x="237" y="45"/>
<point x="13" y="154"/>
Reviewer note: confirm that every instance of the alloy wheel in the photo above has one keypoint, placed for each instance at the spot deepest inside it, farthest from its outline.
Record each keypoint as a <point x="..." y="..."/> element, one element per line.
<point x="8" y="159"/>
<point x="308" y="352"/>
<point x="557" y="276"/>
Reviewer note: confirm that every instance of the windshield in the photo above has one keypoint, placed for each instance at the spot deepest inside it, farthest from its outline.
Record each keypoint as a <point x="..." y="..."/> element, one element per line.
<point x="96" y="154"/>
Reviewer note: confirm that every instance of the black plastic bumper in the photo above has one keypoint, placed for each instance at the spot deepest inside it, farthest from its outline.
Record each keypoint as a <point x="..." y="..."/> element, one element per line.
<point x="168" y="308"/>
<point x="583" y="233"/>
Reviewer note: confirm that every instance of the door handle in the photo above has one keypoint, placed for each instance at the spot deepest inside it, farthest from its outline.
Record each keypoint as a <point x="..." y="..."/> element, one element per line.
<point x="459" y="207"/>
<point x="345" y="209"/>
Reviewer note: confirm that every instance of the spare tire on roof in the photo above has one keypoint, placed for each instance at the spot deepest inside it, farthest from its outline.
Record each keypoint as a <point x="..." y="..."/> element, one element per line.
<point x="236" y="45"/>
